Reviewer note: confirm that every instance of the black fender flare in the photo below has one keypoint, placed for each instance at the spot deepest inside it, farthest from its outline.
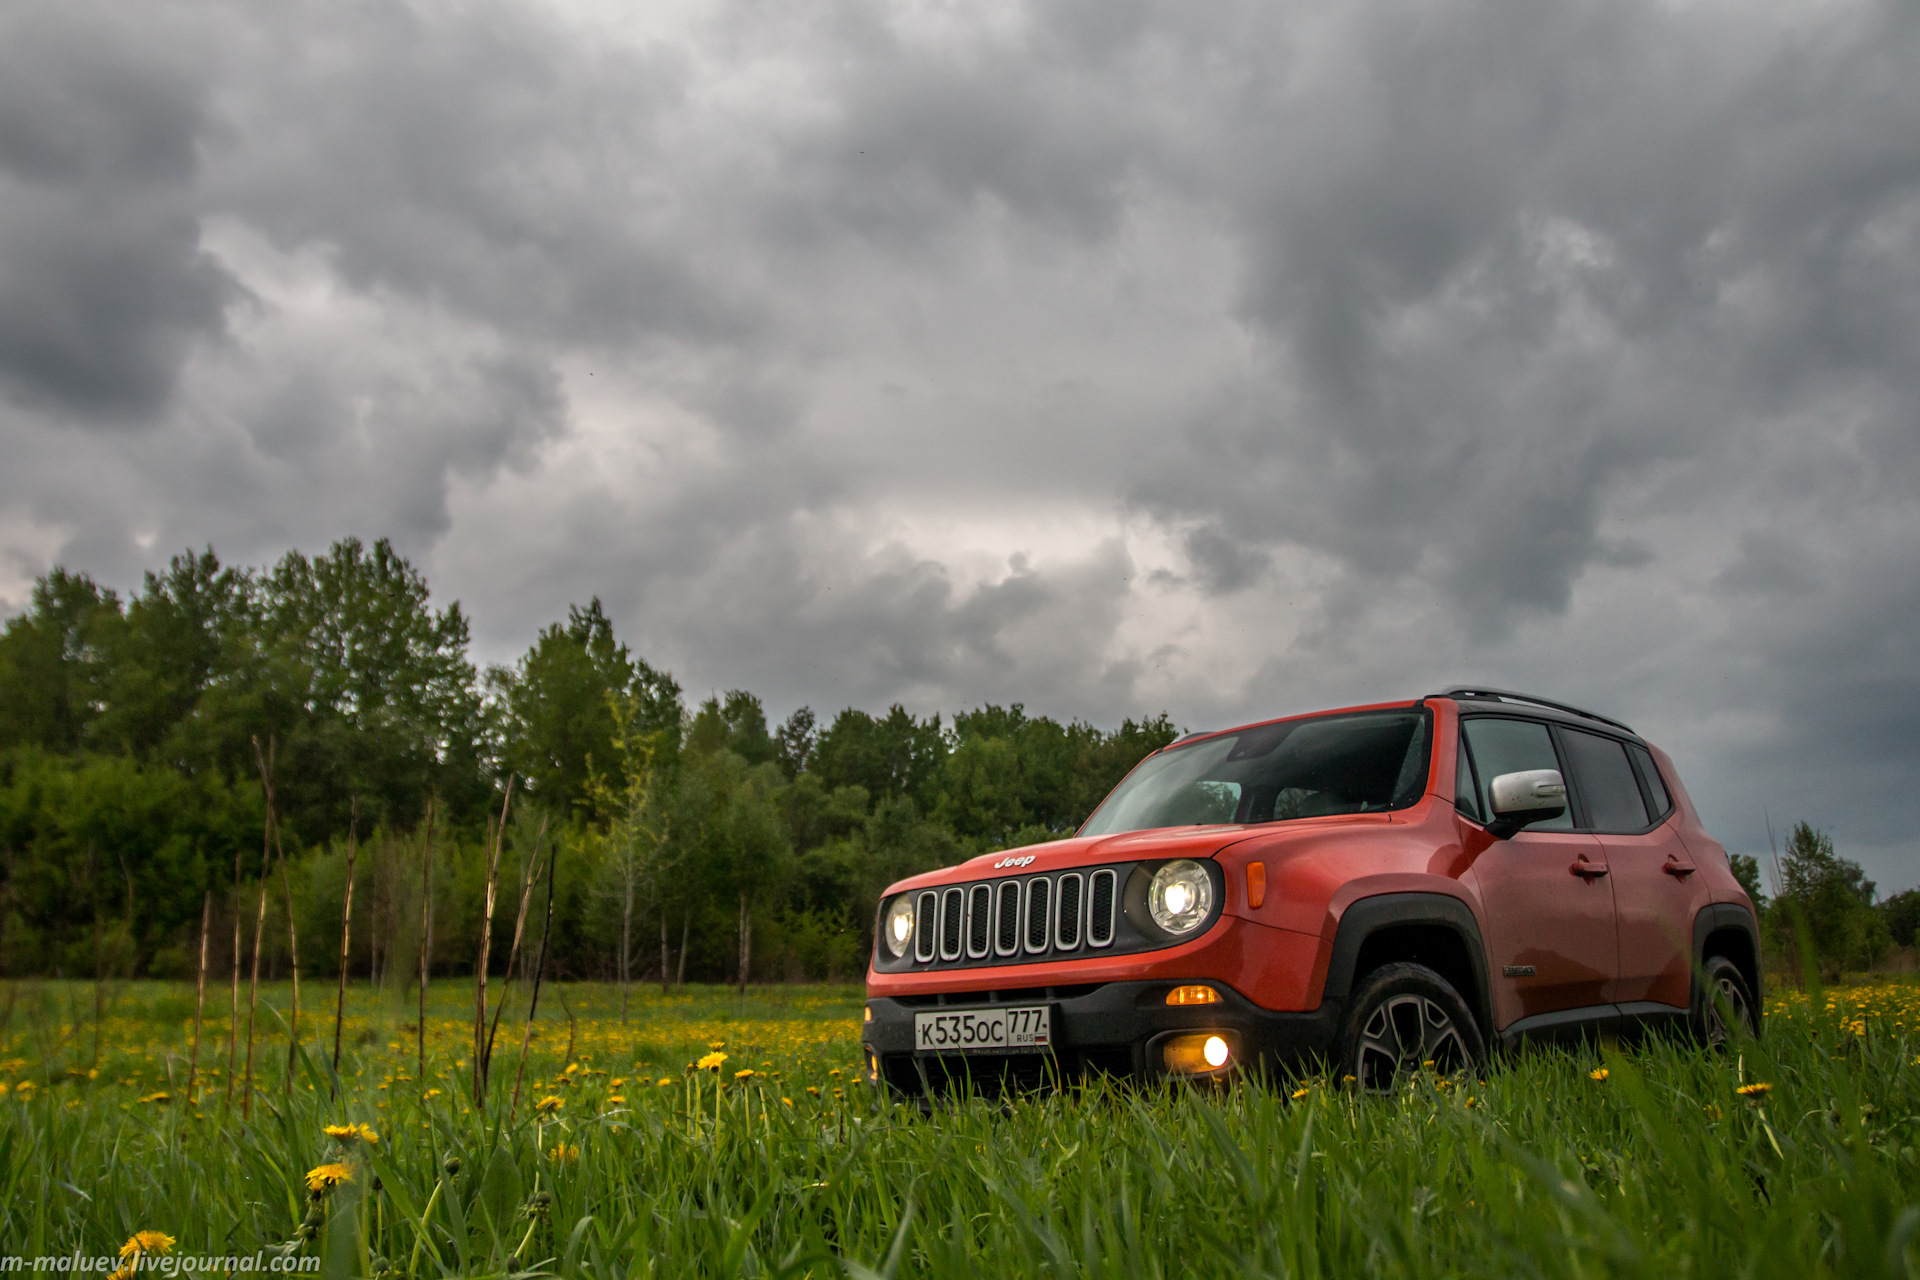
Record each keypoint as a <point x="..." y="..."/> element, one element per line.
<point x="1716" y="917"/>
<point x="1365" y="917"/>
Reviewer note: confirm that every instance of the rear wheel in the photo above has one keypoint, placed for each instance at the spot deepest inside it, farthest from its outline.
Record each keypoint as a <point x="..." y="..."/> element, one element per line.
<point x="1722" y="1000"/>
<point x="1405" y="1017"/>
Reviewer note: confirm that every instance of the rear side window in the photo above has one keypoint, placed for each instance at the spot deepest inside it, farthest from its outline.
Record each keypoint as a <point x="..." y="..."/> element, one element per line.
<point x="1511" y="746"/>
<point x="1606" y="781"/>
<point x="1656" y="785"/>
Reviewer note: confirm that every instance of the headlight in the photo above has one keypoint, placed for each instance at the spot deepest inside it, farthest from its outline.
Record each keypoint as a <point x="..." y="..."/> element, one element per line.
<point x="898" y="929"/>
<point x="1180" y="896"/>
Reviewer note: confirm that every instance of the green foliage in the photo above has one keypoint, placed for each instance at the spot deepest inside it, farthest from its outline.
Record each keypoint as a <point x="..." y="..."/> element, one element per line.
<point x="1746" y="869"/>
<point x="1827" y="901"/>
<point x="1900" y="914"/>
<point x="128" y="739"/>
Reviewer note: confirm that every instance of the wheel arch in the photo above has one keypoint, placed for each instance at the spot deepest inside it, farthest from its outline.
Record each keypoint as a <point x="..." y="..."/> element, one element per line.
<point x="1728" y="929"/>
<point x="1434" y="929"/>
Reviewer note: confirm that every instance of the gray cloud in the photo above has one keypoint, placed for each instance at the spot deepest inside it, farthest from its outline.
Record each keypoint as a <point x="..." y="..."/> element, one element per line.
<point x="1105" y="356"/>
<point x="103" y="287"/>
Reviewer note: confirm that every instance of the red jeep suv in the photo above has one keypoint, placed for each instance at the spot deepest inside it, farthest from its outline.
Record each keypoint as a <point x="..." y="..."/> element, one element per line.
<point x="1376" y="888"/>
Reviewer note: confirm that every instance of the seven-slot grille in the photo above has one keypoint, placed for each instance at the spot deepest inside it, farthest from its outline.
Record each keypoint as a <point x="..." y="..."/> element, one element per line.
<point x="999" y="920"/>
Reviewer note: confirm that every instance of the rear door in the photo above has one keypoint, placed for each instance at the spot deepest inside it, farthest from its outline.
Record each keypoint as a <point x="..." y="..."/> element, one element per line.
<point x="1552" y="946"/>
<point x="1656" y="891"/>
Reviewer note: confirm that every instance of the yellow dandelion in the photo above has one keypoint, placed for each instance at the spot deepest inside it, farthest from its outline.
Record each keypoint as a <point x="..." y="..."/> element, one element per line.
<point x="813" y="1090"/>
<point x="562" y="1153"/>
<point x="162" y="1096"/>
<point x="745" y="1073"/>
<point x="662" y="1082"/>
<point x="788" y="1101"/>
<point x="348" y="1134"/>
<point x="1755" y="1091"/>
<point x="433" y="1093"/>
<point x="1301" y="1092"/>
<point x="712" y="1061"/>
<point x="143" y="1242"/>
<point x="328" y="1176"/>
<point x="1713" y="1111"/>
<point x="548" y="1105"/>
<point x="617" y="1082"/>
<point x="716" y="1044"/>
<point x="1598" y="1073"/>
<point x="615" y="1098"/>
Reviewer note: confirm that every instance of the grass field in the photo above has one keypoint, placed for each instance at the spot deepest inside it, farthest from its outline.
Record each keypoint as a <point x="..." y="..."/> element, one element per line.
<point x="625" y="1158"/>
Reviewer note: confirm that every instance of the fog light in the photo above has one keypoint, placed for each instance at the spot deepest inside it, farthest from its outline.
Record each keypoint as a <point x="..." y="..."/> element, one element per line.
<point x="869" y="1017"/>
<point x="1198" y="1054"/>
<point x="1193" y="995"/>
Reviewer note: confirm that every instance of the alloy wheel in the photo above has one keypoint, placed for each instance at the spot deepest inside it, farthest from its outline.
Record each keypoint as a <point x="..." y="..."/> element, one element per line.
<point x="1405" y="1033"/>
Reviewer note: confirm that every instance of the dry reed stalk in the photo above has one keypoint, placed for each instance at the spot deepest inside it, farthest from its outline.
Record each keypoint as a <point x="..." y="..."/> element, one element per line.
<point x="346" y="931"/>
<point x="233" y="1022"/>
<point x="539" y="970"/>
<point x="253" y="983"/>
<point x="266" y="764"/>
<point x="527" y="882"/>
<point x="200" y="1000"/>
<point x="426" y="933"/>
<point x="499" y="835"/>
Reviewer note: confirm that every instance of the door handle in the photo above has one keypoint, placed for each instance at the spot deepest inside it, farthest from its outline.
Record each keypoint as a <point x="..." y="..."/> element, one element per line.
<point x="1678" y="870"/>
<point x="1592" y="871"/>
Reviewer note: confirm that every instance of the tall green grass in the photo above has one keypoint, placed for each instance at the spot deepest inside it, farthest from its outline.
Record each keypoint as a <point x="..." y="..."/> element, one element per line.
<point x="1533" y="1167"/>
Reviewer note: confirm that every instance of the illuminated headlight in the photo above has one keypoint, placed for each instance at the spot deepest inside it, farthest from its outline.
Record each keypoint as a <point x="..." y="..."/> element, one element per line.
<point x="898" y="928"/>
<point x="1180" y="896"/>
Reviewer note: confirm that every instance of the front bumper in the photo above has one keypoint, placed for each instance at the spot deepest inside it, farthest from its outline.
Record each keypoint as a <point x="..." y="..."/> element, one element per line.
<point x="1111" y="1028"/>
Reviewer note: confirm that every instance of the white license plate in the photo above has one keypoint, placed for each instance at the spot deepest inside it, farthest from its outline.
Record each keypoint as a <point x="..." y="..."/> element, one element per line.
<point x="1023" y="1027"/>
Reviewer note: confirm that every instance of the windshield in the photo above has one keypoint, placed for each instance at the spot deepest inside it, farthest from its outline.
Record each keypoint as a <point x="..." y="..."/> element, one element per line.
<point x="1358" y="763"/>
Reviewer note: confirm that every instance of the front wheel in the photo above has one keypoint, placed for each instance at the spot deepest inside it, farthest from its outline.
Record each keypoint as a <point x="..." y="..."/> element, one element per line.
<point x="1720" y="997"/>
<point x="1405" y="1017"/>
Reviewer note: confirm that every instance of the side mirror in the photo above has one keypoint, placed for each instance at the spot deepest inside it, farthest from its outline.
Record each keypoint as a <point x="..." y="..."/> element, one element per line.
<point x="1522" y="799"/>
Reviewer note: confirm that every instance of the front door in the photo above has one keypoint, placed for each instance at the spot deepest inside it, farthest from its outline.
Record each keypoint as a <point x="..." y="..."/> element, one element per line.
<point x="1547" y="901"/>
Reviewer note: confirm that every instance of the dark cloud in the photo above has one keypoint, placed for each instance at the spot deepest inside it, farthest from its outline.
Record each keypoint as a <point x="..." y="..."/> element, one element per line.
<point x="1106" y="356"/>
<point x="103" y="285"/>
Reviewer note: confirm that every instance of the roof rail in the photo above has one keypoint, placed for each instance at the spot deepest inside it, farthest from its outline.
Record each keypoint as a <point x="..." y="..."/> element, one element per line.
<point x="1508" y="695"/>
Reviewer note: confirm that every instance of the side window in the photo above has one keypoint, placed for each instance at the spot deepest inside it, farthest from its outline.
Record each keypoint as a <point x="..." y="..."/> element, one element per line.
<point x="1466" y="798"/>
<point x="1511" y="746"/>
<point x="1606" y="781"/>
<point x="1656" y="785"/>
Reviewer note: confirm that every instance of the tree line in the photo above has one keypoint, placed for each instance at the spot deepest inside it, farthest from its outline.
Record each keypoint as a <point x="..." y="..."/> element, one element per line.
<point x="139" y="739"/>
<point x="1824" y="916"/>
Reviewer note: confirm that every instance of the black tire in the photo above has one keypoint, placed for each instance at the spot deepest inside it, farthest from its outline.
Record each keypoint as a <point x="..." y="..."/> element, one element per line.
<point x="1402" y="1017"/>
<point x="1722" y="983"/>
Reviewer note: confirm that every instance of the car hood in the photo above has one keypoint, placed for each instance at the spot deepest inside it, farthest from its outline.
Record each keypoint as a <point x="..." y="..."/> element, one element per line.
<point x="1084" y="851"/>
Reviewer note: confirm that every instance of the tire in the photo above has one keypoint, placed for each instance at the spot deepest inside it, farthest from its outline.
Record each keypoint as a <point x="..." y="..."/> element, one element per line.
<point x="1722" y="981"/>
<point x="1402" y="1017"/>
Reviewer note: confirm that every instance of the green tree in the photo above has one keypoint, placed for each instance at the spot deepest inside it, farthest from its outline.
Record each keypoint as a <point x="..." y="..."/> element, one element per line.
<point x="634" y="807"/>
<point x="51" y="660"/>
<point x="1827" y="900"/>
<point x="1746" y="869"/>
<point x="371" y="687"/>
<point x="557" y="703"/>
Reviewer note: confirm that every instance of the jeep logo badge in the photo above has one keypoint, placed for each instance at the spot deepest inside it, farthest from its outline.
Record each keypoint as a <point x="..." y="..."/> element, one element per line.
<point x="1013" y="862"/>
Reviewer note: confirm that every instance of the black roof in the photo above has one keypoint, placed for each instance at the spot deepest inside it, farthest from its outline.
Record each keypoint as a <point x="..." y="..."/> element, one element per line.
<point x="1481" y="693"/>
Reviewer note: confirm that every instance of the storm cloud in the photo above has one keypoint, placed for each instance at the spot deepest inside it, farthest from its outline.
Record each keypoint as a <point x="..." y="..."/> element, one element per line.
<point x="1106" y="356"/>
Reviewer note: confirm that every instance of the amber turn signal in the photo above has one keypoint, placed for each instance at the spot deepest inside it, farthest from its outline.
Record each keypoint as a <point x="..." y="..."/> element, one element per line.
<point x="869" y="1017"/>
<point x="1193" y="995"/>
<point x="1256" y="884"/>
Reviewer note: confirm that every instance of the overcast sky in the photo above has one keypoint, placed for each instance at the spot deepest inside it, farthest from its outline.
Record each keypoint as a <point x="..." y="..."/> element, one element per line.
<point x="1234" y="359"/>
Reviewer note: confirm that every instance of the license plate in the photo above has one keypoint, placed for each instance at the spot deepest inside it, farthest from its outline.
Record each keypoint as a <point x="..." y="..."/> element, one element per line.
<point x="963" y="1030"/>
